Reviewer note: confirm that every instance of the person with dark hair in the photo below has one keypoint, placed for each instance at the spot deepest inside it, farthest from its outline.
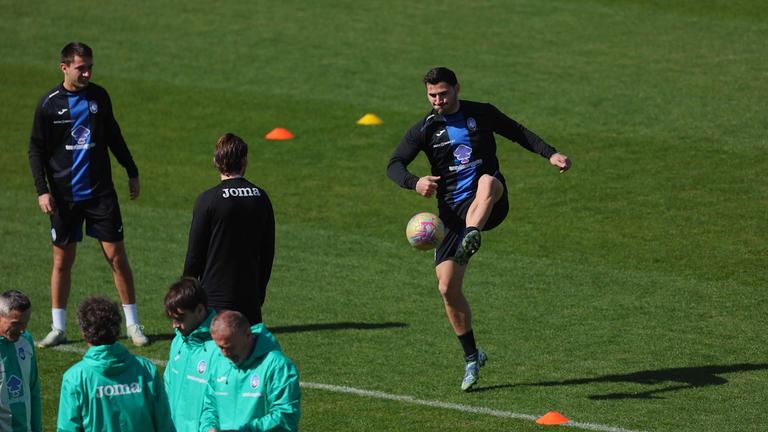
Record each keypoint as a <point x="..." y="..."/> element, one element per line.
<point x="232" y="237"/>
<point x="73" y="132"/>
<point x="252" y="385"/>
<point x="457" y="137"/>
<point x="189" y="359"/>
<point x="110" y="389"/>
<point x="20" y="406"/>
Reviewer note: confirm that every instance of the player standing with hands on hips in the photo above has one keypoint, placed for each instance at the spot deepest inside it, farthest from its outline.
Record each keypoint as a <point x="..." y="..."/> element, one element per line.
<point x="457" y="138"/>
<point x="68" y="152"/>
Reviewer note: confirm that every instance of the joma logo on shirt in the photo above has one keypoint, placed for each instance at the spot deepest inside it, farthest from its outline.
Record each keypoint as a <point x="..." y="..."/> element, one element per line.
<point x="117" y="390"/>
<point x="243" y="192"/>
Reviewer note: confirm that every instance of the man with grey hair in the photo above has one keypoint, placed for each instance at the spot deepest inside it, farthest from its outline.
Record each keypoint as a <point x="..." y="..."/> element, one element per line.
<point x="252" y="384"/>
<point x="19" y="385"/>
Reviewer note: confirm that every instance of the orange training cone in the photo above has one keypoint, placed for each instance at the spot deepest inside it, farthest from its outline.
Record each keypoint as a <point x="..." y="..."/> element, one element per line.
<point x="552" y="418"/>
<point x="279" y="134"/>
<point x="370" y="120"/>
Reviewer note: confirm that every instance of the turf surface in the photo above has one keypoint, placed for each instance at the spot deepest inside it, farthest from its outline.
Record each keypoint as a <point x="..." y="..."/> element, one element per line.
<point x="628" y="292"/>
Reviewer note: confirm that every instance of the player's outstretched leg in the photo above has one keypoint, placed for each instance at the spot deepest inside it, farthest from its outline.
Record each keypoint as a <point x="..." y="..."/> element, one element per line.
<point x="472" y="370"/>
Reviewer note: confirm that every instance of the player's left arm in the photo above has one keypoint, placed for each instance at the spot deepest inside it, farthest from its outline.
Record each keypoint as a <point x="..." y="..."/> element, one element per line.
<point x="512" y="130"/>
<point x="284" y="401"/>
<point x="119" y="148"/>
<point x="34" y="389"/>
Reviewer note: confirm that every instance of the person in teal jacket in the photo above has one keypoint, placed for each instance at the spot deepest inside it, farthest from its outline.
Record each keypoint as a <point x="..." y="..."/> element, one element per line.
<point x="19" y="381"/>
<point x="110" y="389"/>
<point x="189" y="359"/>
<point x="258" y="388"/>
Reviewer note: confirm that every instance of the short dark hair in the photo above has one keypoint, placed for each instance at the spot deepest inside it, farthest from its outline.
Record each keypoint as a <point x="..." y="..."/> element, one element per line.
<point x="232" y="320"/>
<point x="99" y="320"/>
<point x="230" y="153"/>
<point x="73" y="49"/>
<point x="440" y="74"/>
<point x="14" y="300"/>
<point x="184" y="294"/>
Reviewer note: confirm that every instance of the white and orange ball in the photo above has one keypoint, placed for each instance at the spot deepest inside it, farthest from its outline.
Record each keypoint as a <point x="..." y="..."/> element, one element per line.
<point x="425" y="231"/>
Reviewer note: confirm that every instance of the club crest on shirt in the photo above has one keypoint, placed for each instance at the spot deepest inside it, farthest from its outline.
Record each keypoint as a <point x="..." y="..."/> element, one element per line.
<point x="22" y="353"/>
<point x="15" y="387"/>
<point x="201" y="367"/>
<point x="471" y="124"/>
<point x="463" y="153"/>
<point x="93" y="107"/>
<point x="255" y="381"/>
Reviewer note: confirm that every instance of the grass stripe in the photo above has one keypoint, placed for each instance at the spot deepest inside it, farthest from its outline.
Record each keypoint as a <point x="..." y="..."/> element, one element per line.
<point x="411" y="400"/>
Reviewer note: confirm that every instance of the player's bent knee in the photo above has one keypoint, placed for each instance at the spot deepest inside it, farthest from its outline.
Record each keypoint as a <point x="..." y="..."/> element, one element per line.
<point x="490" y="186"/>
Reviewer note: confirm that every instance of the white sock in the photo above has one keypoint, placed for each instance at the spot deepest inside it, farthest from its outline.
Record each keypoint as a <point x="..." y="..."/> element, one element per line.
<point x="59" y="319"/>
<point x="131" y="315"/>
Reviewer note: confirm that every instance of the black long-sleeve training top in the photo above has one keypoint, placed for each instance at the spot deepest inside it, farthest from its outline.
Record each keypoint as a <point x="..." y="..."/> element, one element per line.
<point x="460" y="148"/>
<point x="232" y="246"/>
<point x="68" y="145"/>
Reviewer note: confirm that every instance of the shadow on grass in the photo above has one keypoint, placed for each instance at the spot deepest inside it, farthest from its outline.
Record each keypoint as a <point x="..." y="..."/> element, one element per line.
<point x="673" y="379"/>
<point x="336" y="326"/>
<point x="310" y="327"/>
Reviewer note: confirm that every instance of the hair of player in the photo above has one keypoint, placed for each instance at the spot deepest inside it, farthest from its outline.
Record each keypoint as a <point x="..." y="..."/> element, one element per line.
<point x="99" y="320"/>
<point x="230" y="154"/>
<point x="73" y="49"/>
<point x="14" y="300"/>
<point x="440" y="74"/>
<point x="184" y="295"/>
<point x="231" y="321"/>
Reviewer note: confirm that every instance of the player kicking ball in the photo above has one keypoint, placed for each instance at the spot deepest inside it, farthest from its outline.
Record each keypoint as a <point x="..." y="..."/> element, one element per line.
<point x="457" y="136"/>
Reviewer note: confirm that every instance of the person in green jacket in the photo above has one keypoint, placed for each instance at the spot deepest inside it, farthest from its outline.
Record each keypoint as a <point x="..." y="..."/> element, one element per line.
<point x="19" y="382"/>
<point x="189" y="359"/>
<point x="258" y="388"/>
<point x="110" y="389"/>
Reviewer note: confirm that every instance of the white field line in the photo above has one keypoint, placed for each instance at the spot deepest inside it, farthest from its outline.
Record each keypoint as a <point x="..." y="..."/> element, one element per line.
<point x="412" y="400"/>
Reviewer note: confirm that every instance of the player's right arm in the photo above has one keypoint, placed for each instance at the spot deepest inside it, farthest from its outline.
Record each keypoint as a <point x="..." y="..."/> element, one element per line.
<point x="404" y="154"/>
<point x="70" y="401"/>
<point x="37" y="160"/>
<point x="199" y="235"/>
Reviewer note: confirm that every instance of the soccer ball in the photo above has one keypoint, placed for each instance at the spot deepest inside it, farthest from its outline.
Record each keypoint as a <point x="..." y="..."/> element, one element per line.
<point x="424" y="231"/>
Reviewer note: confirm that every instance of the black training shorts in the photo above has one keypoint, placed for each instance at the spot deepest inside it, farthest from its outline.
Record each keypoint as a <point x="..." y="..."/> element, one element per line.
<point x="454" y="219"/>
<point x="101" y="215"/>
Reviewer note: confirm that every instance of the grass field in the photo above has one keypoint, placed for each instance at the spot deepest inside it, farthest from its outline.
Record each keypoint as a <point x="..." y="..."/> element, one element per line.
<point x="629" y="292"/>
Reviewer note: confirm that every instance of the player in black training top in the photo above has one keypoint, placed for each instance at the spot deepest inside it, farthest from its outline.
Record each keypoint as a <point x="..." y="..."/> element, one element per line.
<point x="457" y="138"/>
<point x="232" y="237"/>
<point x="73" y="131"/>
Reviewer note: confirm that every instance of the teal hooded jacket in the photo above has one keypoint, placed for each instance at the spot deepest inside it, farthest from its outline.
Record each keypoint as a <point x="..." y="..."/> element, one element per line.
<point x="19" y="386"/>
<point x="260" y="394"/>
<point x="111" y="389"/>
<point x="186" y="374"/>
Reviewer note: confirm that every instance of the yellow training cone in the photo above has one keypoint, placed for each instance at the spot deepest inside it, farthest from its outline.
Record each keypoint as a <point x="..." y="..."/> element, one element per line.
<point x="370" y="120"/>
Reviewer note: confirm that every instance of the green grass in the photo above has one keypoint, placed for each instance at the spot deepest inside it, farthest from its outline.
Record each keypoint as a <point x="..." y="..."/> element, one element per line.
<point x="628" y="292"/>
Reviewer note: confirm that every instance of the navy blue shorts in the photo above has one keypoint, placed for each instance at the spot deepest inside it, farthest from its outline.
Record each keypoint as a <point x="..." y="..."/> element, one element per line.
<point x="101" y="215"/>
<point x="454" y="219"/>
